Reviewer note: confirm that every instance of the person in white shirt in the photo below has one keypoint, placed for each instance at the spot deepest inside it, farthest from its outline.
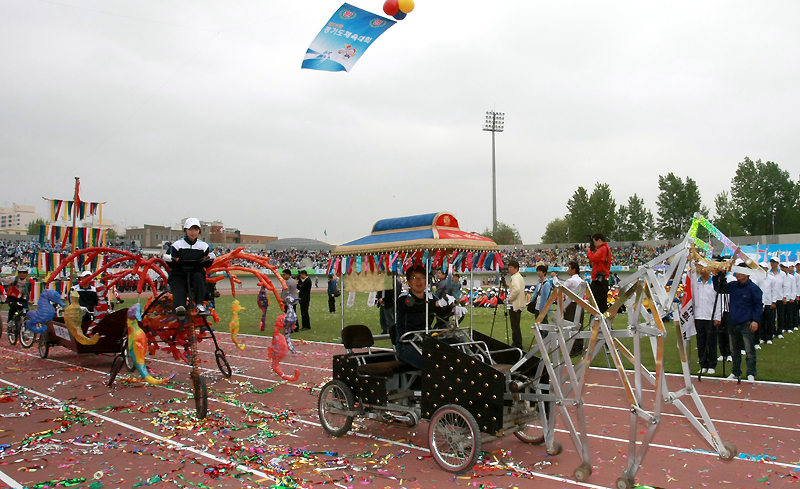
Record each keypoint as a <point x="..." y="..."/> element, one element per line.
<point x="576" y="285"/>
<point x="516" y="301"/>
<point x="704" y="297"/>
<point x="796" y="317"/>
<point x="778" y="295"/>
<point x="788" y="295"/>
<point x="768" y="314"/>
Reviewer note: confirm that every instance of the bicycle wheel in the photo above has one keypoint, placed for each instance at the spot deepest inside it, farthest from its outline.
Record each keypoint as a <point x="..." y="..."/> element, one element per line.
<point x="200" y="396"/>
<point x="533" y="432"/>
<point x="13" y="327"/>
<point x="222" y="364"/>
<point x="26" y="336"/>
<point x="115" y="368"/>
<point x="335" y="396"/>
<point x="130" y="364"/>
<point x="454" y="438"/>
<point x="44" y="345"/>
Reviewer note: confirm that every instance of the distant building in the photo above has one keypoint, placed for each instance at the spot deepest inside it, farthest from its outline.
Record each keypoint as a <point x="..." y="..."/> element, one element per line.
<point x="213" y="232"/>
<point x="299" y="244"/>
<point x="151" y="236"/>
<point x="15" y="219"/>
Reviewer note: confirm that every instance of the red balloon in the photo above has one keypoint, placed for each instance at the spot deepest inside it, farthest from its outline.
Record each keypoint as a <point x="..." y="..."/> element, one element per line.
<point x="391" y="7"/>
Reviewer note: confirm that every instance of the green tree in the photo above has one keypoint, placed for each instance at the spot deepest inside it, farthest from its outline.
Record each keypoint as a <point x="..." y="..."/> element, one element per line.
<point x="677" y="202"/>
<point x="727" y="218"/>
<point x="578" y="216"/>
<point x="761" y="192"/>
<point x="557" y="231"/>
<point x="111" y="234"/>
<point x="506" y="235"/>
<point x="33" y="227"/>
<point x="635" y="222"/>
<point x="602" y="211"/>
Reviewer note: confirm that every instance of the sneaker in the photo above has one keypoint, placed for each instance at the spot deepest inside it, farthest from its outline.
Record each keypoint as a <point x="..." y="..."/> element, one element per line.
<point x="761" y="342"/>
<point x="795" y="328"/>
<point x="790" y="331"/>
<point x="180" y="311"/>
<point x="729" y="359"/>
<point x="751" y="378"/>
<point x="711" y="371"/>
<point x="261" y="326"/>
<point x="703" y="370"/>
<point x="732" y="377"/>
<point x="744" y="353"/>
<point x="780" y="336"/>
<point x="721" y="359"/>
<point x="201" y="310"/>
<point x="758" y="347"/>
<point x="769" y="342"/>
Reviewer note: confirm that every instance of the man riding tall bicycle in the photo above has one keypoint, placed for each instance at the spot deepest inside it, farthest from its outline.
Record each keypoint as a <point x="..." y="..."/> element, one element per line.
<point x="17" y="292"/>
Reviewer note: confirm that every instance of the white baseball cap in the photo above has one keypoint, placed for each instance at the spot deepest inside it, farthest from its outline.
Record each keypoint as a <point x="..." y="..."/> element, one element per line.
<point x="191" y="222"/>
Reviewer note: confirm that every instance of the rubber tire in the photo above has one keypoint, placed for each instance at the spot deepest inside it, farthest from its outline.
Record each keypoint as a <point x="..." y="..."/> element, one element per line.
<point x="583" y="472"/>
<point x="732" y="451"/>
<point x="335" y="392"/>
<point x="26" y="336"/>
<point x="116" y="366"/>
<point x="44" y="345"/>
<point x="200" y="397"/>
<point x="130" y="363"/>
<point x="12" y="334"/>
<point x="444" y="422"/>
<point x="222" y="364"/>
<point x="557" y="449"/>
<point x="625" y="482"/>
<point x="535" y="426"/>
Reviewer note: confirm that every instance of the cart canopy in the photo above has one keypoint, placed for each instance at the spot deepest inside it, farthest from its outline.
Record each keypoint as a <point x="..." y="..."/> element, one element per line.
<point x="425" y="232"/>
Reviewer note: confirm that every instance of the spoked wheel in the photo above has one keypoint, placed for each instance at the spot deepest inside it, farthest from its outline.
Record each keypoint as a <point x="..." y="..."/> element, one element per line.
<point x="222" y="364"/>
<point x="12" y="331"/>
<point x="200" y="396"/>
<point x="130" y="363"/>
<point x="454" y="438"/>
<point x="334" y="397"/>
<point x="533" y="432"/>
<point x="26" y="336"/>
<point x="44" y="345"/>
<point x="115" y="368"/>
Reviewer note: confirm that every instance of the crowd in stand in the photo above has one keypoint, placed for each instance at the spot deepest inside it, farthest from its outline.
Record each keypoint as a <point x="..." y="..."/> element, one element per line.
<point x="632" y="255"/>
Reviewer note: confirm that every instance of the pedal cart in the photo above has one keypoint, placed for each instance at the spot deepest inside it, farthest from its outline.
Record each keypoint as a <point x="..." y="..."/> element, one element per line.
<point x="471" y="388"/>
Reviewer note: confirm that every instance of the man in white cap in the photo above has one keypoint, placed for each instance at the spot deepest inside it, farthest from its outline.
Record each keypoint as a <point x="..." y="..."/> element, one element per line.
<point x="746" y="307"/>
<point x="797" y="299"/>
<point x="87" y="294"/>
<point x="768" y="313"/>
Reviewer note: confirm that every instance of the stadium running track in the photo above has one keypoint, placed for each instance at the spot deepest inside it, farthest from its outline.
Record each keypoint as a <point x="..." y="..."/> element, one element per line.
<point x="61" y="426"/>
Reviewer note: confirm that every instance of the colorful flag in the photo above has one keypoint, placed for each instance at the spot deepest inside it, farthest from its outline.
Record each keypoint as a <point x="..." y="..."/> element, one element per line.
<point x="687" y="310"/>
<point x="343" y="40"/>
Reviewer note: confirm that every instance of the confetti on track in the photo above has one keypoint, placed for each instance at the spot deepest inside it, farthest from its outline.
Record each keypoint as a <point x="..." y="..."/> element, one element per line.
<point x="61" y="425"/>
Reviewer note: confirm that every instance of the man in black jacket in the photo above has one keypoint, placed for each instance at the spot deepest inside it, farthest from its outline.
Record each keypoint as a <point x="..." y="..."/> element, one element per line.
<point x="304" y="290"/>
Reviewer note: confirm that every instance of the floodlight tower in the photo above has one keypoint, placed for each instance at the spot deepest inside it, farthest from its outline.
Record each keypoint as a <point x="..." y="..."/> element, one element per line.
<point x="494" y="123"/>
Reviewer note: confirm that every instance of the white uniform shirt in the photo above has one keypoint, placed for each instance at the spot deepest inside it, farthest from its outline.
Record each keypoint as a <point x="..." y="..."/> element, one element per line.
<point x="796" y="284"/>
<point x="574" y="284"/>
<point x="703" y="295"/>
<point x="765" y="284"/>
<point x="778" y="286"/>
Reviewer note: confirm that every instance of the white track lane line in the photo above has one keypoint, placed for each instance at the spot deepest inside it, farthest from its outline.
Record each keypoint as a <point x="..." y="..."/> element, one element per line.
<point x="174" y="444"/>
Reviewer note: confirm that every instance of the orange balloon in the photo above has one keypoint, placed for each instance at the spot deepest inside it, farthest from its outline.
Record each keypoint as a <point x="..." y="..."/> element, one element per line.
<point x="406" y="6"/>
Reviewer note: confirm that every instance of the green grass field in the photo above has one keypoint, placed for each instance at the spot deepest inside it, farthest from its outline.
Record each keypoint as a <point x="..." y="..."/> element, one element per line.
<point x="775" y="362"/>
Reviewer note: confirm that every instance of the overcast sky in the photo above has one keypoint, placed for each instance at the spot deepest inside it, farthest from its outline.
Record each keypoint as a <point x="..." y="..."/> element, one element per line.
<point x="168" y="109"/>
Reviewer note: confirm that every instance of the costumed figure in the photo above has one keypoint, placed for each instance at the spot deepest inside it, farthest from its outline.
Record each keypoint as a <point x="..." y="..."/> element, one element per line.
<point x="263" y="304"/>
<point x="280" y="348"/>
<point x="137" y="346"/>
<point x="44" y="312"/>
<point x="234" y="324"/>
<point x="73" y="318"/>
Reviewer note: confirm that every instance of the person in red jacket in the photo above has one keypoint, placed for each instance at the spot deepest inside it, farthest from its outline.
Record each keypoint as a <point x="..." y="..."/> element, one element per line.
<point x="599" y="256"/>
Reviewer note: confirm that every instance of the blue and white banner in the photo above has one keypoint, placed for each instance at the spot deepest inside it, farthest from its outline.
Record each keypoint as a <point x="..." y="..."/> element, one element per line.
<point x="344" y="39"/>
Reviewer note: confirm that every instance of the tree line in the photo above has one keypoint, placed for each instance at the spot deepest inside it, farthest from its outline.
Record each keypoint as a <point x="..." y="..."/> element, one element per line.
<point x="763" y="199"/>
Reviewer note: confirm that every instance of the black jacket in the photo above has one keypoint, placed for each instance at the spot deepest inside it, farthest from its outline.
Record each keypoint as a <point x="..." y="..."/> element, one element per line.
<point x="304" y="289"/>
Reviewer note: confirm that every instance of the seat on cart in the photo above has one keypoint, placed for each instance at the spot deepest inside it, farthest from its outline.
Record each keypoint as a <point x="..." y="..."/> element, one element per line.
<point x="359" y="336"/>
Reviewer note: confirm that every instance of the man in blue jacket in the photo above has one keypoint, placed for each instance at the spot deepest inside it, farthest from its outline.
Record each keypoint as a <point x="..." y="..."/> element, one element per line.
<point x="746" y="307"/>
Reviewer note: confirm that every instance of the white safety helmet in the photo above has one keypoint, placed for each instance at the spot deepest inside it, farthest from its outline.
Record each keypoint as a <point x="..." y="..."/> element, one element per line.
<point x="85" y="273"/>
<point x="190" y="223"/>
<point x="22" y="268"/>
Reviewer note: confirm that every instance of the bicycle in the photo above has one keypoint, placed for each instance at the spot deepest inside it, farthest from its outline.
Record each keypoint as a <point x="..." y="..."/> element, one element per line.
<point x="17" y="329"/>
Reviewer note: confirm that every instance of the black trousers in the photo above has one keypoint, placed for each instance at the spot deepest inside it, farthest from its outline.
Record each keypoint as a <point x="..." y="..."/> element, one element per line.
<point x="516" y="332"/>
<point x="706" y="343"/>
<point x="331" y="303"/>
<point x="723" y="336"/>
<point x="600" y="292"/>
<point x="177" y="286"/>
<point x="781" y="317"/>
<point x="767" y="330"/>
<point x="305" y="320"/>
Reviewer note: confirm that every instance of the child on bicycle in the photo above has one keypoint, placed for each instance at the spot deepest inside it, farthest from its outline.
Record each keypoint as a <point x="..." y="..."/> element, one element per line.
<point x="17" y="291"/>
<point x="189" y="257"/>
